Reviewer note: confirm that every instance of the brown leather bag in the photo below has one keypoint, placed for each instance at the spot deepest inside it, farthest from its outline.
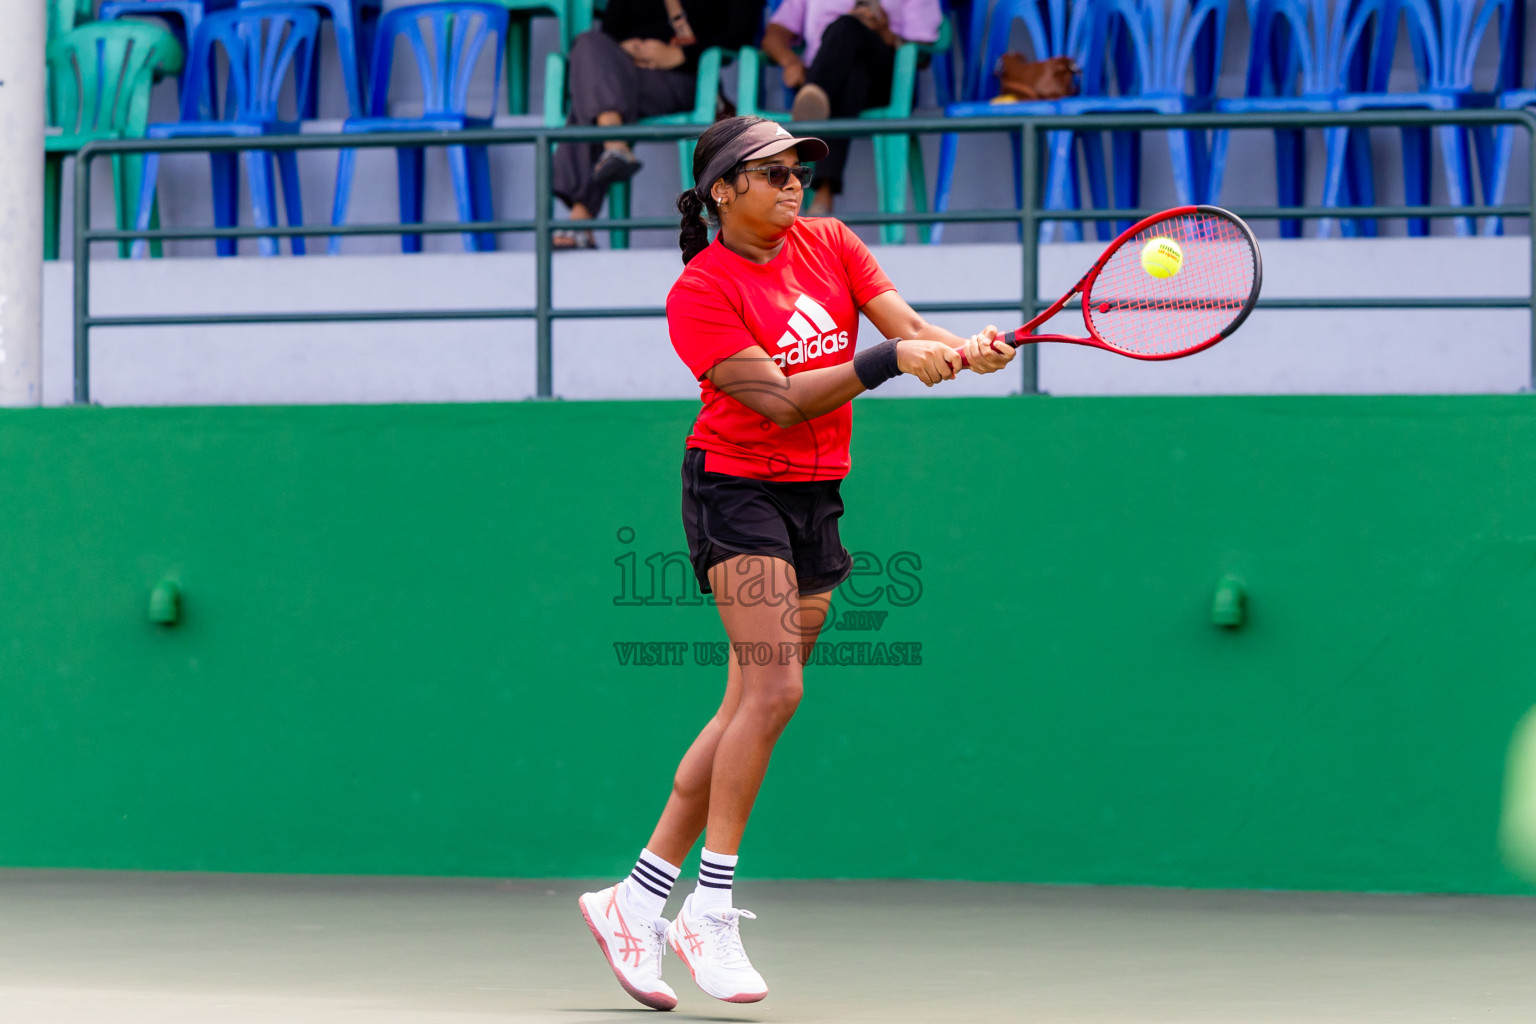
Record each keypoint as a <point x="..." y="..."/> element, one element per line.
<point x="1049" y="79"/>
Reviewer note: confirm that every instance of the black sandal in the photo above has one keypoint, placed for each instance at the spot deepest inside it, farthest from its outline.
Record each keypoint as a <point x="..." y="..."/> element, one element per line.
<point x="614" y="166"/>
<point x="570" y="239"/>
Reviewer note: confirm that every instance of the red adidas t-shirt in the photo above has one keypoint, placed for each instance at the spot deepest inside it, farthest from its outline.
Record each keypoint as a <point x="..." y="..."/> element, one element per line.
<point x="802" y="308"/>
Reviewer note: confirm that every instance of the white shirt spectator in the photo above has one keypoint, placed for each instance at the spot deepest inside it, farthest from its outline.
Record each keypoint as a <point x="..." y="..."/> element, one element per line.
<point x="914" y="20"/>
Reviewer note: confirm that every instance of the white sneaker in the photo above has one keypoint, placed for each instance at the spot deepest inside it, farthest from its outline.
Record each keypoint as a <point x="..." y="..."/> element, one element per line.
<point x="634" y="955"/>
<point x="710" y="944"/>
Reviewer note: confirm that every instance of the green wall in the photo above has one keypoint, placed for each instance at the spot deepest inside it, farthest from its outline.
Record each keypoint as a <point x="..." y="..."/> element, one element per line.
<point x="398" y="650"/>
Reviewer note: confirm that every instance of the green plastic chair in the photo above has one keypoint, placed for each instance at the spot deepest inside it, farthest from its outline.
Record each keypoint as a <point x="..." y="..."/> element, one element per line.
<point x="706" y="96"/>
<point x="898" y="158"/>
<point x="64" y="15"/>
<point x="99" y="80"/>
<point x="519" y="60"/>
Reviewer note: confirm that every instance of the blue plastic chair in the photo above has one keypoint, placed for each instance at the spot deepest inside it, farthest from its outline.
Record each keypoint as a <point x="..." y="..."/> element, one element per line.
<point x="1305" y="55"/>
<point x="974" y="45"/>
<point x="183" y="17"/>
<point x="354" y="23"/>
<point x="1446" y="37"/>
<point x="949" y="61"/>
<point x="262" y="46"/>
<point x="1165" y="56"/>
<point x="971" y="33"/>
<point x="1496" y="171"/>
<point x="952" y="63"/>
<point x="1056" y="28"/>
<point x="447" y="41"/>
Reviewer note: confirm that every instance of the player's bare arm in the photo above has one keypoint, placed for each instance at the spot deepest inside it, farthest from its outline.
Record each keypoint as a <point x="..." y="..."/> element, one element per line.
<point x="894" y="317"/>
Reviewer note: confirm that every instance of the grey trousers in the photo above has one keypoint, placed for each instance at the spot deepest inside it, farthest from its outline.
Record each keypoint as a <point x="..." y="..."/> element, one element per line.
<point x="604" y="77"/>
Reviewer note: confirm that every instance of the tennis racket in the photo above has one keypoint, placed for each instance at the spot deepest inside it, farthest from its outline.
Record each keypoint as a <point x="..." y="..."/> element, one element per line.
<point x="1131" y="312"/>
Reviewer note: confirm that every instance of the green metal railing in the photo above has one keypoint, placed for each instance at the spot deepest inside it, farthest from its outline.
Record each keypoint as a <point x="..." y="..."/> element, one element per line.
<point x="1029" y="216"/>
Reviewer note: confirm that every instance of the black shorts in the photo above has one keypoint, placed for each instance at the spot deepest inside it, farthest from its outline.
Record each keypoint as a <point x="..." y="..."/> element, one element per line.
<point x="726" y="515"/>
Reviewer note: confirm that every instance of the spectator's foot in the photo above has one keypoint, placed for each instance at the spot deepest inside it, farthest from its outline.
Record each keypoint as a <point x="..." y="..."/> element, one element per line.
<point x="573" y="240"/>
<point x="811" y="104"/>
<point x="614" y="165"/>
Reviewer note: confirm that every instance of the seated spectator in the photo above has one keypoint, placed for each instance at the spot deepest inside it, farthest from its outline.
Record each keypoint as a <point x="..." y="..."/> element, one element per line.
<point x="850" y="56"/>
<point x="641" y="63"/>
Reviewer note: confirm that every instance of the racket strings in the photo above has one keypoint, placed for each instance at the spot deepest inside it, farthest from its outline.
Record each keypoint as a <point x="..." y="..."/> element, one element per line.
<point x="1136" y="313"/>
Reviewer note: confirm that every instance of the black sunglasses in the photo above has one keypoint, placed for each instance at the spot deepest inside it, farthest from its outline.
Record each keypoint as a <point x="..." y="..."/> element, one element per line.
<point x="778" y="174"/>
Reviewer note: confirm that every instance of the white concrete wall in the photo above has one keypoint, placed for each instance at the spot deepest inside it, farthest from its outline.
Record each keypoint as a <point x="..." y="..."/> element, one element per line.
<point x="1274" y="352"/>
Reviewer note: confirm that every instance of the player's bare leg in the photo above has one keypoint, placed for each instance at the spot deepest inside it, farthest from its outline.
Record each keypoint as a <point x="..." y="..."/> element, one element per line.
<point x="683" y="819"/>
<point x="627" y="935"/>
<point x="770" y="693"/>
<point x="687" y="811"/>
<point x="773" y="618"/>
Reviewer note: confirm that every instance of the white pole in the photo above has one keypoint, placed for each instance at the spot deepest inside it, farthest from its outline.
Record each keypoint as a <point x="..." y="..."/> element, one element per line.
<point x="23" y="45"/>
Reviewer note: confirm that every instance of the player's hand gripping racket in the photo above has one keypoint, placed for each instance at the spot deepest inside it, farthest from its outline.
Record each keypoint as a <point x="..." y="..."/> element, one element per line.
<point x="1149" y="299"/>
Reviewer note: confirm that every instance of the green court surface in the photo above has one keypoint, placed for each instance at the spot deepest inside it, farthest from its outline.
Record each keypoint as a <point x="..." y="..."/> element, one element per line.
<point x="171" y="948"/>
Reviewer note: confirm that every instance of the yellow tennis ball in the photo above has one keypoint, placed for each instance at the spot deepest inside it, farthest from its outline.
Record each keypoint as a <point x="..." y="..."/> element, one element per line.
<point x="1517" y="826"/>
<point x="1162" y="257"/>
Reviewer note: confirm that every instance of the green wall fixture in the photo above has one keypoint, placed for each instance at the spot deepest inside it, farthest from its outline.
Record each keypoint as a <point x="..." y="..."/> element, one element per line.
<point x="415" y="625"/>
<point x="165" y="603"/>
<point x="1229" y="606"/>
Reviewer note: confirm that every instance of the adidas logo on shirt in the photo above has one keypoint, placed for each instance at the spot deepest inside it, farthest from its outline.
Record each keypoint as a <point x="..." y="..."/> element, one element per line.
<point x="812" y="333"/>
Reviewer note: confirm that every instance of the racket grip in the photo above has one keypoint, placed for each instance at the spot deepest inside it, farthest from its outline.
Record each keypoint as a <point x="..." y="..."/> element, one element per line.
<point x="1006" y="337"/>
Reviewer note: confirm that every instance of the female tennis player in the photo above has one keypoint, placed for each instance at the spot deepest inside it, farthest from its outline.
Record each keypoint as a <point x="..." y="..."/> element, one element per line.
<point x="766" y="317"/>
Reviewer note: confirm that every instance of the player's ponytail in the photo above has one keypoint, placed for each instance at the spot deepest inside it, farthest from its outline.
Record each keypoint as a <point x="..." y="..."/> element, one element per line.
<point x="696" y="203"/>
<point x="694" y="236"/>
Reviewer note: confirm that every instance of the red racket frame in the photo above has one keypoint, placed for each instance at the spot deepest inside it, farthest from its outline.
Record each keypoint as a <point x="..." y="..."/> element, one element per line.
<point x="1084" y="287"/>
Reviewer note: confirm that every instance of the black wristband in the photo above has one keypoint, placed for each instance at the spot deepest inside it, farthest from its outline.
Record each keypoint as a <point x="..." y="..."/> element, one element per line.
<point x="876" y="365"/>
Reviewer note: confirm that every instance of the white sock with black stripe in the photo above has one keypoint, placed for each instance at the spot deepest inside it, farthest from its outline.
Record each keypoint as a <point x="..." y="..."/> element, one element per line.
<point x="648" y="886"/>
<point x="716" y="873"/>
